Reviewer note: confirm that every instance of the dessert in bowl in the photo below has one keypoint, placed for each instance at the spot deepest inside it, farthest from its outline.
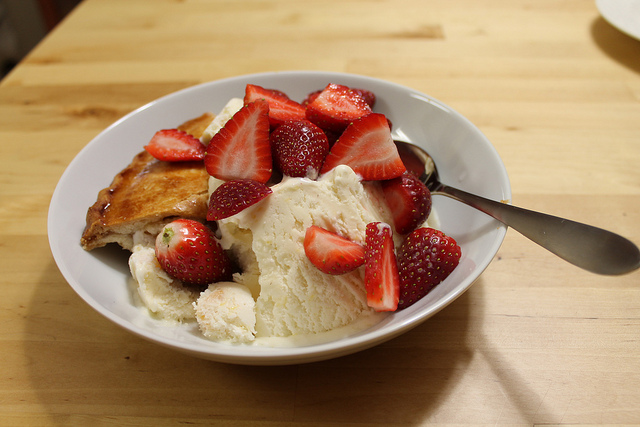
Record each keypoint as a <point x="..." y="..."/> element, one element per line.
<point x="102" y="277"/>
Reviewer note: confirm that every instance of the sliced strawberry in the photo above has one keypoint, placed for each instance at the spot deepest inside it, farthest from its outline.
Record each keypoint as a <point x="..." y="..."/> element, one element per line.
<point x="381" y="271"/>
<point x="310" y="97"/>
<point x="409" y="201"/>
<point x="241" y="150"/>
<point x="299" y="148"/>
<point x="411" y="160"/>
<point x="173" y="145"/>
<point x="277" y="92"/>
<point x="336" y="106"/>
<point x="368" y="148"/>
<point x="369" y="97"/>
<point x="425" y="258"/>
<point x="332" y="137"/>
<point x="234" y="196"/>
<point x="188" y="251"/>
<point x="281" y="107"/>
<point x="331" y="253"/>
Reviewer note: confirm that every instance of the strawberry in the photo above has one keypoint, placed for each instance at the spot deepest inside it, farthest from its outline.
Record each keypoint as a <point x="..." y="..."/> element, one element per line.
<point x="234" y="196"/>
<point x="409" y="201"/>
<point x="188" y="251"/>
<point x="310" y="97"/>
<point x="381" y="271"/>
<point x="369" y="97"/>
<point x="425" y="258"/>
<point x="367" y="147"/>
<point x="276" y="92"/>
<point x="411" y="160"/>
<point x="173" y="145"/>
<point x="299" y="148"/>
<point x="281" y="107"/>
<point x="335" y="107"/>
<point x="331" y="253"/>
<point x="332" y="137"/>
<point x="241" y="150"/>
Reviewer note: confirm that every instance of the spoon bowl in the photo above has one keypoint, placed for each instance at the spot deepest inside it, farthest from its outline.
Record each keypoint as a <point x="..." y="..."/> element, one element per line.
<point x="591" y="248"/>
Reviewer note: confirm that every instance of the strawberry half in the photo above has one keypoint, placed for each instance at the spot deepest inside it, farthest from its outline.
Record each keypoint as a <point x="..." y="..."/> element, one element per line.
<point x="281" y="107"/>
<point x="331" y="253"/>
<point x="299" y="148"/>
<point x="381" y="271"/>
<point x="173" y="145"/>
<point x="369" y="97"/>
<point x="241" y="150"/>
<point x="336" y="106"/>
<point x="425" y="258"/>
<point x="368" y="148"/>
<point x="235" y="196"/>
<point x="409" y="201"/>
<point x="188" y="251"/>
<point x="310" y="97"/>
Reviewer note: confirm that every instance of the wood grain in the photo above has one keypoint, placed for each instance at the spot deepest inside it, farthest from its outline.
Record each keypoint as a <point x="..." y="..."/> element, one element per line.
<point x="535" y="341"/>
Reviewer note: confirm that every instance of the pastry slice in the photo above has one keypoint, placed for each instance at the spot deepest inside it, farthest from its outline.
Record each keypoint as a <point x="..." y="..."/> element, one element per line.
<point x="147" y="194"/>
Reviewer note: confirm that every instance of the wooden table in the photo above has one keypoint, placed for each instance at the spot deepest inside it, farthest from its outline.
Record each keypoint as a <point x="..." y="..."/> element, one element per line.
<point x="534" y="341"/>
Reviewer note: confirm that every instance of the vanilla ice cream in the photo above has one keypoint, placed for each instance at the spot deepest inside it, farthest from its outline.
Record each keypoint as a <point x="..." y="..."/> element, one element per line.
<point x="225" y="313"/>
<point x="293" y="296"/>
<point x="218" y="122"/>
<point x="164" y="296"/>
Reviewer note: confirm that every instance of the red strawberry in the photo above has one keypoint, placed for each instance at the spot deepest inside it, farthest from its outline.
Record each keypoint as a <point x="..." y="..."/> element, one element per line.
<point x="241" y="150"/>
<point x="299" y="148"/>
<point x="188" y="251"/>
<point x="332" y="137"/>
<point x="425" y="258"/>
<point x="234" y="196"/>
<point x="409" y="201"/>
<point x="331" y="253"/>
<point x="381" y="271"/>
<point x="369" y="97"/>
<point x="281" y="107"/>
<point x="173" y="145"/>
<point x="367" y="147"/>
<point x="411" y="160"/>
<point x="310" y="97"/>
<point x="335" y="107"/>
<point x="276" y="92"/>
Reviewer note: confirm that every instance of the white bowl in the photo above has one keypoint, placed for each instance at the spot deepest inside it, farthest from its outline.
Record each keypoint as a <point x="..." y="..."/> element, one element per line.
<point x="465" y="158"/>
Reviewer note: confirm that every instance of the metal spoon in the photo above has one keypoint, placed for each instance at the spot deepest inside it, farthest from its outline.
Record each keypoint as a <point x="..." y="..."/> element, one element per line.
<point x="593" y="249"/>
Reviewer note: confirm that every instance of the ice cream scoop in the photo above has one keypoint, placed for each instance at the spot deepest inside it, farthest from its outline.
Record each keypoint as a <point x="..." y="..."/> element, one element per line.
<point x="591" y="248"/>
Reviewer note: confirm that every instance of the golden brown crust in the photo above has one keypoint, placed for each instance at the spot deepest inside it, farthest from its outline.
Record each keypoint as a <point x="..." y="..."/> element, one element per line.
<point x="146" y="195"/>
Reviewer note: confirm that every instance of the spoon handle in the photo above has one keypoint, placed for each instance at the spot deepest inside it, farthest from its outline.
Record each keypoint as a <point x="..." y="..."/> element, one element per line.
<point x="591" y="248"/>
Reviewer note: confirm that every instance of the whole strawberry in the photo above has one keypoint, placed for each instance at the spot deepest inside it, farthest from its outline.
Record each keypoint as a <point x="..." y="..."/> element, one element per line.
<point x="425" y="258"/>
<point x="299" y="148"/>
<point x="188" y="251"/>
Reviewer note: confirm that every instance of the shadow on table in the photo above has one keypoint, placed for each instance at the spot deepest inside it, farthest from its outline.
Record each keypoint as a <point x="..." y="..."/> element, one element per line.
<point x="618" y="46"/>
<point x="72" y="353"/>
